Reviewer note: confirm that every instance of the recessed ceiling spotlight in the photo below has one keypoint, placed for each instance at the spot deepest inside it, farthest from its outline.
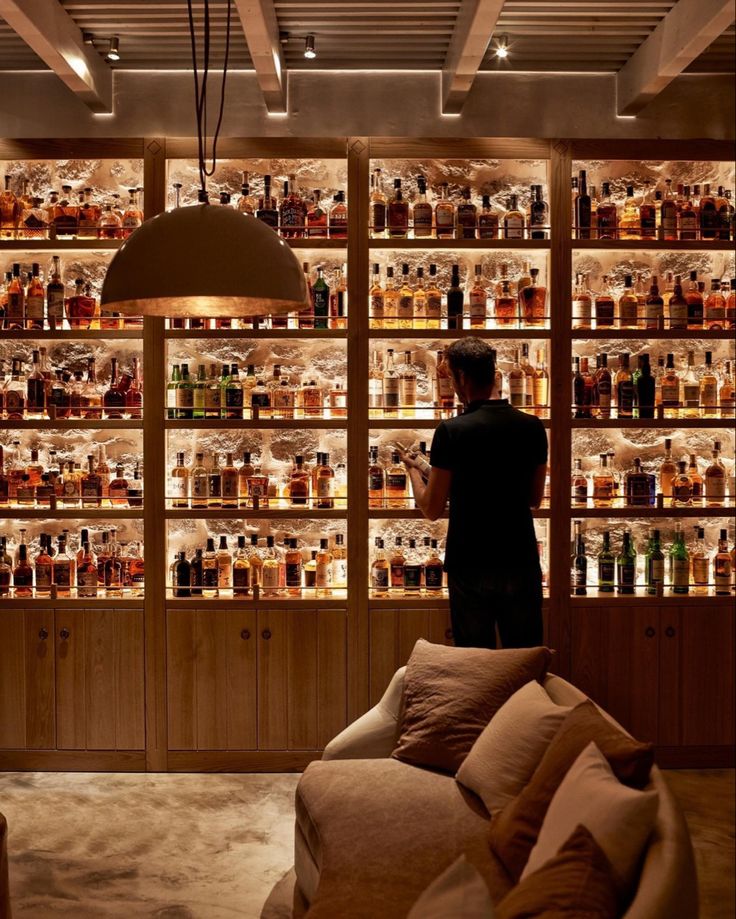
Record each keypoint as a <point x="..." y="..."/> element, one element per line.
<point x="309" y="48"/>
<point x="502" y="46"/>
<point x="88" y="38"/>
<point x="113" y="52"/>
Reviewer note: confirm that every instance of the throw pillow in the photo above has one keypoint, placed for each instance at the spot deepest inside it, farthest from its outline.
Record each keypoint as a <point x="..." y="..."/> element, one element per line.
<point x="504" y="757"/>
<point x="514" y="831"/>
<point x="619" y="818"/>
<point x="450" y="695"/>
<point x="458" y="891"/>
<point x="576" y="883"/>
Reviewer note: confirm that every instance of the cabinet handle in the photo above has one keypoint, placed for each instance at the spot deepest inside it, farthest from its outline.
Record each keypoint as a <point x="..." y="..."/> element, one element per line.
<point x="245" y="634"/>
<point x="649" y="632"/>
<point x="43" y="634"/>
<point x="448" y="634"/>
<point x="669" y="632"/>
<point x="64" y="634"/>
<point x="266" y="633"/>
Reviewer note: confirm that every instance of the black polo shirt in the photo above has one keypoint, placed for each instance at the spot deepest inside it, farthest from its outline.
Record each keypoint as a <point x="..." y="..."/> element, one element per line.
<point x="492" y="451"/>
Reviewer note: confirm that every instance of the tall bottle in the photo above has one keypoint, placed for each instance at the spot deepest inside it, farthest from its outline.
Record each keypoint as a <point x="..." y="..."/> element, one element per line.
<point x="455" y="301"/>
<point x="582" y="208"/>
<point x="626" y="566"/>
<point x="398" y="213"/>
<point x="655" y="566"/>
<point x="679" y="564"/>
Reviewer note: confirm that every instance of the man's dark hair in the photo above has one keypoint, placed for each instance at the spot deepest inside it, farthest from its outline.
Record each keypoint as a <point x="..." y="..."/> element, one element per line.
<point x="475" y="358"/>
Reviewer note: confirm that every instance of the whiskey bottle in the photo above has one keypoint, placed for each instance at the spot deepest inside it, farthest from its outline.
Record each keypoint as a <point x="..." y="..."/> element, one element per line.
<point x="715" y="479"/>
<point x="582" y="304"/>
<point x="391" y="395"/>
<point x="321" y="301"/>
<point x="648" y="215"/>
<point x="398" y="213"/>
<point x="579" y="485"/>
<point x="210" y="573"/>
<point x="323" y="568"/>
<point x="15" y="306"/>
<point x="644" y="388"/>
<point x="517" y="383"/>
<point x="466" y="216"/>
<point x="396" y="565"/>
<point x="668" y="213"/>
<point x="455" y="301"/>
<point x="133" y="215"/>
<point x="44" y="569"/>
<point x="434" y="301"/>
<point x="422" y="211"/>
<point x="113" y="401"/>
<point x="639" y="486"/>
<point x="376" y="295"/>
<point x="603" y="387"/>
<point x="379" y="574"/>
<point x="406" y="300"/>
<point x="606" y="214"/>
<point x="118" y="488"/>
<point x="35" y="300"/>
<point x="413" y="570"/>
<point x="199" y="483"/>
<point x="224" y="566"/>
<point x="654" y="308"/>
<point x="667" y="470"/>
<point x="420" y="302"/>
<point x="603" y="484"/>
<point x="626" y="565"/>
<point x="317" y="216"/>
<point x="339" y="563"/>
<point x="694" y="299"/>
<point x="528" y="379"/>
<point x="444" y="215"/>
<point x="377" y="205"/>
<point x="214" y="483"/>
<point x="65" y="570"/>
<point x="229" y="483"/>
<point x="670" y="388"/>
<point x="488" y="221"/>
<point x="407" y="388"/>
<point x="715" y="307"/>
<point x="91" y="486"/>
<point x="397" y="483"/>
<point x="299" y="483"/>
<point x="679" y="564"/>
<point x="582" y="204"/>
<point x="181" y="576"/>
<point x="727" y="393"/>
<point x="682" y="487"/>
<point x="606" y="566"/>
<point x="247" y="204"/>
<point x="338" y="217"/>
<point x="23" y="574"/>
<point x="294" y="564"/>
<point x="538" y="214"/>
<point x="579" y="565"/>
<point x="268" y="210"/>
<point x="710" y="219"/>
<point x="721" y="566"/>
<point x="325" y="484"/>
<point x="375" y="479"/>
<point x="629" y="226"/>
<point x="533" y="302"/>
<point x="700" y="563"/>
<point x="293" y="211"/>
<point x="541" y="383"/>
<point x="708" y="389"/>
<point x="241" y="570"/>
<point x="513" y="220"/>
<point x="654" y="566"/>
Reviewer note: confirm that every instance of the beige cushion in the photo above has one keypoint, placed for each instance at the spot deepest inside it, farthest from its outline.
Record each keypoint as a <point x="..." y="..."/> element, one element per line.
<point x="458" y="891"/>
<point x="451" y="694"/>
<point x="509" y="749"/>
<point x="620" y="819"/>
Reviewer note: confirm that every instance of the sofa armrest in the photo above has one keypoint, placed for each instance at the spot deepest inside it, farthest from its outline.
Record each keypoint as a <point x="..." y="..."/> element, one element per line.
<point x="373" y="735"/>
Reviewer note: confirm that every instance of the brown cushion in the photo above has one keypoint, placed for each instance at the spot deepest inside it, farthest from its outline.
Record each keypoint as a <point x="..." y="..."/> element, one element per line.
<point x="381" y="831"/>
<point x="577" y="883"/>
<point x="514" y="830"/>
<point x="451" y="694"/>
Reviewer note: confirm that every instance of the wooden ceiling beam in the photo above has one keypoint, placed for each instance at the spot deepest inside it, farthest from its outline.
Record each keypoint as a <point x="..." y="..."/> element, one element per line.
<point x="50" y="31"/>
<point x="682" y="36"/>
<point x="261" y="29"/>
<point x="470" y="39"/>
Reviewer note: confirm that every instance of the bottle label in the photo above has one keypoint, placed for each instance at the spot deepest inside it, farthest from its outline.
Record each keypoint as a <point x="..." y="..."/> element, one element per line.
<point x="377" y="306"/>
<point x="234" y="398"/>
<point x="378" y="216"/>
<point x="478" y="305"/>
<point x="294" y="574"/>
<point x="199" y="487"/>
<point x="433" y="577"/>
<point x="396" y="481"/>
<point x="444" y="218"/>
<point x="270" y="576"/>
<point x="709" y="395"/>
<point x="43" y="576"/>
<point x="625" y="397"/>
<point x="715" y="486"/>
<point x="212" y="398"/>
<point x="379" y="578"/>
<point x="670" y="393"/>
<point x="229" y="486"/>
<point x="55" y="304"/>
<point x="391" y="392"/>
<point x="325" y="486"/>
<point x="397" y="574"/>
<point x="680" y="572"/>
<point x="241" y="576"/>
<point x="691" y="395"/>
<point x="15" y="402"/>
<point x="517" y="391"/>
<point x="581" y="311"/>
<point x="656" y="571"/>
<point x="63" y="575"/>
<point x="184" y="396"/>
<point x="406" y="307"/>
<point x="375" y="481"/>
<point x="34" y="307"/>
<point x="626" y="575"/>
<point x="408" y="392"/>
<point x="412" y="577"/>
<point x="434" y="307"/>
<point x="210" y="577"/>
<point x="606" y="572"/>
<point x="514" y="227"/>
<point x="87" y="582"/>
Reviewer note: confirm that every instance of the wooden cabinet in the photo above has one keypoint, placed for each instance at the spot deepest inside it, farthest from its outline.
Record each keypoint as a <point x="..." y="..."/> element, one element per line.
<point x="256" y="680"/>
<point x="393" y="634"/>
<point x="27" y="690"/>
<point x="666" y="673"/>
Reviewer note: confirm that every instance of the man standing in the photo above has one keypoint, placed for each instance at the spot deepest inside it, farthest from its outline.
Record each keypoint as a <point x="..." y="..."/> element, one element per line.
<point x="491" y="462"/>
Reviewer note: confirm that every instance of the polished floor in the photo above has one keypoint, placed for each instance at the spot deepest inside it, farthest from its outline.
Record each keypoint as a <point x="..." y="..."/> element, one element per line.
<point x="109" y="846"/>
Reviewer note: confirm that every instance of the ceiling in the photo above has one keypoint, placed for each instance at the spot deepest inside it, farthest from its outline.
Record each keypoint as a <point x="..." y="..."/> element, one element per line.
<point x="544" y="35"/>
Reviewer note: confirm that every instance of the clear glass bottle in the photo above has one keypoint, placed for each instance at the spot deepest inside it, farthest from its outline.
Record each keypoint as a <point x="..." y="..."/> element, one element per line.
<point x="396" y="483"/>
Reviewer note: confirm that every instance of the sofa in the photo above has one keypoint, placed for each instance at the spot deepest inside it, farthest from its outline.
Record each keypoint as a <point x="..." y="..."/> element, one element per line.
<point x="373" y="832"/>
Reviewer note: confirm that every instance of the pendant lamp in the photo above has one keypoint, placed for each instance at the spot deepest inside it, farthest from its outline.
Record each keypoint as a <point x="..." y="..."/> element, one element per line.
<point x="204" y="260"/>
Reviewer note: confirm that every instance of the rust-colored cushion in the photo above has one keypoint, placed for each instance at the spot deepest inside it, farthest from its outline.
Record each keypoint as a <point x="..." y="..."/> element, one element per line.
<point x="577" y="883"/>
<point x="515" y="829"/>
<point x="450" y="695"/>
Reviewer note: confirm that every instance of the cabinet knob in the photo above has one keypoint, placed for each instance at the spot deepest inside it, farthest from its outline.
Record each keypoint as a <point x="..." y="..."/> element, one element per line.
<point x="669" y="632"/>
<point x="448" y="634"/>
<point x="43" y="634"/>
<point x="245" y="634"/>
<point x="64" y="634"/>
<point x="649" y="632"/>
<point x="266" y="633"/>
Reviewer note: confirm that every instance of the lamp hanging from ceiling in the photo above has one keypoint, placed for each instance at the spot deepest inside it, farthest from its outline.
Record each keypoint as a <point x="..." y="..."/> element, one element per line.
<point x="204" y="260"/>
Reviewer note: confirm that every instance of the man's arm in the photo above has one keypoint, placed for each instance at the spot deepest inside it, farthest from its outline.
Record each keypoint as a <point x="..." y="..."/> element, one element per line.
<point x="431" y="498"/>
<point x="540" y="476"/>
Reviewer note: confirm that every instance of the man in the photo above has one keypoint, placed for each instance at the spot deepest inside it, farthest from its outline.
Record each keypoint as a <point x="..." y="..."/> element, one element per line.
<point x="491" y="462"/>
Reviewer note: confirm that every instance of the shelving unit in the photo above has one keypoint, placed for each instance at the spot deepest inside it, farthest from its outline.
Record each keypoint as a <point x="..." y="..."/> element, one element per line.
<point x="310" y="664"/>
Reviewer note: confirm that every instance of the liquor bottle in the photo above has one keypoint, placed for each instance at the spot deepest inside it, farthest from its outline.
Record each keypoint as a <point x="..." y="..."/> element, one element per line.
<point x="199" y="479"/>
<point x="398" y="213"/>
<point x="65" y="570"/>
<point x="579" y="564"/>
<point x="23" y="574"/>
<point x="247" y="204"/>
<point x="606" y="566"/>
<point x="582" y="205"/>
<point x="629" y="223"/>
<point x="299" y="483"/>
<point x="682" y="487"/>
<point x="324" y="482"/>
<point x="9" y="211"/>
<point x="466" y="216"/>
<point x="293" y="211"/>
<point x="210" y="573"/>
<point x="714" y="309"/>
<point x="376" y="295"/>
<point x="533" y="302"/>
<point x="133" y="215"/>
<point x="231" y="392"/>
<point x="709" y="217"/>
<point x="715" y="479"/>
<point x="34" y="300"/>
<point x="654" y="308"/>
<point x="648" y="215"/>
<point x="582" y="304"/>
<point x="407" y="388"/>
<point x="605" y="306"/>
<point x="91" y="486"/>
<point x="413" y="570"/>
<point x="644" y="388"/>
<point x="35" y="401"/>
<point x="513" y="220"/>
<point x="184" y="395"/>
<point x="391" y="394"/>
<point x="726" y="393"/>
<point x="478" y="301"/>
<point x="517" y="383"/>
<point x="338" y="301"/>
<point x="134" y="393"/>
<point x="668" y="213"/>
<point x="15" y="307"/>
<point x="405" y="304"/>
<point x="607" y="215"/>
<point x="419" y="319"/>
<point x="626" y="565"/>
<point x="700" y="563"/>
<point x="579" y="485"/>
<point x="721" y="566"/>
<point x="667" y="470"/>
<point x="339" y="563"/>
<point x="488" y="221"/>
<point x="678" y="307"/>
<point x="396" y="565"/>
<point x="639" y="486"/>
<point x="268" y="210"/>
<point x="113" y="400"/>
<point x="379" y="574"/>
<point x="538" y="214"/>
<point x="731" y="306"/>
<point x="726" y="213"/>
<point x="603" y="388"/>
<point x="506" y="310"/>
<point x="540" y="392"/>
<point x="455" y="301"/>
<point x="6" y="568"/>
<point x="529" y="379"/>
<point x="338" y="217"/>
<point x="444" y="215"/>
<point x="377" y="205"/>
<point x="422" y="211"/>
<point x="434" y="300"/>
<point x="321" y="301"/>
<point x="603" y="484"/>
<point x="118" y="489"/>
<point x="241" y="570"/>
<point x="224" y="566"/>
<point x="670" y="393"/>
<point x="695" y="307"/>
<point x="43" y="567"/>
<point x="708" y="389"/>
<point x="294" y="564"/>
<point x="444" y="393"/>
<point x="396" y="483"/>
<point x="654" y="565"/>
<point x="679" y="564"/>
<point x="181" y="576"/>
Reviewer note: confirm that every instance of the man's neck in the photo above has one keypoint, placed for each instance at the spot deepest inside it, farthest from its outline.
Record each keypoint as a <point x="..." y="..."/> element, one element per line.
<point x="479" y="395"/>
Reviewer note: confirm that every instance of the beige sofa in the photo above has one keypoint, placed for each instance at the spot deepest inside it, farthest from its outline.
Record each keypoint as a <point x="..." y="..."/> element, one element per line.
<point x="372" y="832"/>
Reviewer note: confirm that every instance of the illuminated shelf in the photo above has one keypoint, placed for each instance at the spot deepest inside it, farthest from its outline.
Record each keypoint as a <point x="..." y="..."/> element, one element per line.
<point x="263" y="513"/>
<point x="651" y="422"/>
<point x="430" y="334"/>
<point x="318" y="242"/>
<point x="256" y="333"/>
<point x="309" y="601"/>
<point x="435" y="600"/>
<point x="654" y="334"/>
<point x="418" y="423"/>
<point x="413" y="513"/>
<point x="429" y="243"/>
<point x="71" y="603"/>
<point x="625" y="512"/>
<point x="73" y="424"/>
<point x="72" y="513"/>
<point x="226" y="424"/>
<point x="674" y="245"/>
<point x="72" y="334"/>
<point x="595" y="597"/>
<point x="61" y="245"/>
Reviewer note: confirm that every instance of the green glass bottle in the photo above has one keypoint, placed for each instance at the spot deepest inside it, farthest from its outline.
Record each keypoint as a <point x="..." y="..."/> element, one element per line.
<point x="626" y="566"/>
<point x="606" y="566"/>
<point x="679" y="565"/>
<point x="580" y="568"/>
<point x="224" y="380"/>
<point x="199" y="394"/>
<point x="171" y="388"/>
<point x="321" y="301"/>
<point x="185" y="394"/>
<point x="655" y="566"/>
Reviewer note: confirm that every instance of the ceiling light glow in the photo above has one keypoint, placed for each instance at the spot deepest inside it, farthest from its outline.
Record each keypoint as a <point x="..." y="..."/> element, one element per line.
<point x="502" y="46"/>
<point x="309" y="48"/>
<point x="113" y="52"/>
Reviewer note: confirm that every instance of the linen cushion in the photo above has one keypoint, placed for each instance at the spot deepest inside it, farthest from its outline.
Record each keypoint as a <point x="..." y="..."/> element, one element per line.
<point x="577" y="883"/>
<point x="514" y="831"/>
<point x="619" y="818"/>
<point x="508" y="750"/>
<point x="458" y="891"/>
<point x="451" y="694"/>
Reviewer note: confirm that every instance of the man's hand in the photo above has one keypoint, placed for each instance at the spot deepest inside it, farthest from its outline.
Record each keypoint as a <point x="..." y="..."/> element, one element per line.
<point x="407" y="458"/>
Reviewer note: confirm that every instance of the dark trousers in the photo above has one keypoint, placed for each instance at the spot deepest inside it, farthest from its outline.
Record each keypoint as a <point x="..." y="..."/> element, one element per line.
<point x="481" y="600"/>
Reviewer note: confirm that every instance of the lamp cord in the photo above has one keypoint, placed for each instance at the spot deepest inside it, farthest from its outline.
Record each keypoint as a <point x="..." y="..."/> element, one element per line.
<point x="200" y="91"/>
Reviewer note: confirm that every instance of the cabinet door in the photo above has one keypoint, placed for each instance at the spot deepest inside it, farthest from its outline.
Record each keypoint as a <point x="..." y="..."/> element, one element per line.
<point x="697" y="676"/>
<point x="211" y="676"/>
<point x="99" y="679"/>
<point x="614" y="659"/>
<point x="393" y="634"/>
<point x="27" y="719"/>
<point x="302" y="678"/>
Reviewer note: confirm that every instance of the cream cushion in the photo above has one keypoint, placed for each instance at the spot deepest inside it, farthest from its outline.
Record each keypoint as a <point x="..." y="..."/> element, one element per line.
<point x="619" y="818"/>
<point x="505" y="755"/>
<point x="458" y="891"/>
